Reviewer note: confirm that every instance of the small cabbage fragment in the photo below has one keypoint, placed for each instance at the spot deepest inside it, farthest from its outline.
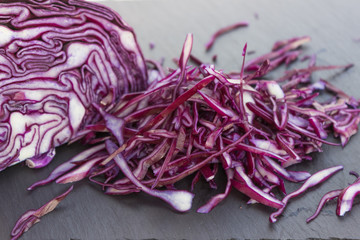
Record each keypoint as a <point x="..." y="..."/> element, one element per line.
<point x="31" y="217"/>
<point x="312" y="181"/>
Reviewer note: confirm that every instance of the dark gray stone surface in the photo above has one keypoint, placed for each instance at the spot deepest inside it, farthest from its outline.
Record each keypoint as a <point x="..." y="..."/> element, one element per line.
<point x="89" y="214"/>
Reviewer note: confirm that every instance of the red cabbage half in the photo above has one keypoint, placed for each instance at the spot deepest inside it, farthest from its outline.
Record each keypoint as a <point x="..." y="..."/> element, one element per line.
<point x="56" y="59"/>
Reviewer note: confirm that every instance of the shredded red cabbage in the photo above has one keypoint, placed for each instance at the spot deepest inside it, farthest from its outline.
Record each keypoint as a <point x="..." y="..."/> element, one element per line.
<point x="252" y="128"/>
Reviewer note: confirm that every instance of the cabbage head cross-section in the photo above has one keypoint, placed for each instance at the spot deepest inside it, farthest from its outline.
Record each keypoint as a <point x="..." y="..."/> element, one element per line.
<point x="58" y="58"/>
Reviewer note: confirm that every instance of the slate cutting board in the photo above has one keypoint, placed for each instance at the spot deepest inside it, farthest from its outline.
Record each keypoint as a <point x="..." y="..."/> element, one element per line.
<point x="89" y="214"/>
